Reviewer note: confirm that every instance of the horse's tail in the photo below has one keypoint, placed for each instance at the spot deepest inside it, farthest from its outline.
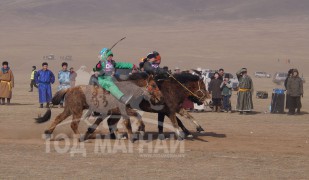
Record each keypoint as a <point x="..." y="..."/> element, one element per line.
<point x="44" y="118"/>
<point x="58" y="97"/>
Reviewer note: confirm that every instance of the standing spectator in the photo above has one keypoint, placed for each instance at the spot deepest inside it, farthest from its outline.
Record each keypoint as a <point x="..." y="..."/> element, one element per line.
<point x="73" y="76"/>
<point x="64" y="79"/>
<point x="177" y="70"/>
<point x="6" y="83"/>
<point x="295" y="90"/>
<point x="221" y="73"/>
<point x="226" y="87"/>
<point x="244" y="98"/>
<point x="215" y="90"/>
<point x="32" y="81"/>
<point x="288" y="97"/>
<point x="44" y="78"/>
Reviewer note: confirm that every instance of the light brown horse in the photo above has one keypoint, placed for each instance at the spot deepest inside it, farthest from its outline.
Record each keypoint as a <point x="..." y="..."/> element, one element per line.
<point x="94" y="98"/>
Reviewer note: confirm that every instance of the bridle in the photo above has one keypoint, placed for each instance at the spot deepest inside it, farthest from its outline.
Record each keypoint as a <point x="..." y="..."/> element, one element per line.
<point x="200" y="98"/>
<point x="148" y="87"/>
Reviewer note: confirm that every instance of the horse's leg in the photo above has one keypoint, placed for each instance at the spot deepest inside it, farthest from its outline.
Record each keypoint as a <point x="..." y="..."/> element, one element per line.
<point x="184" y="129"/>
<point x="92" y="128"/>
<point x="187" y="115"/>
<point x="173" y="119"/>
<point x="140" y="122"/>
<point x="75" y="121"/>
<point x="66" y="113"/>
<point x="127" y="124"/>
<point x="160" y="125"/>
<point x="112" y="126"/>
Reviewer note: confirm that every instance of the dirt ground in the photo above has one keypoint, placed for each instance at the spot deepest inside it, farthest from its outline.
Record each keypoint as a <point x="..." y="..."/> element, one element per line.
<point x="259" y="146"/>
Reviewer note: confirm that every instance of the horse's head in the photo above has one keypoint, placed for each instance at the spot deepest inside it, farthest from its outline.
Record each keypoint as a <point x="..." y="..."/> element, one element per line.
<point x="153" y="90"/>
<point x="194" y="87"/>
<point x="199" y="93"/>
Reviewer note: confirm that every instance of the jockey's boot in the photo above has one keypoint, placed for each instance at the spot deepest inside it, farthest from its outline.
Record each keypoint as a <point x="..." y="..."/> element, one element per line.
<point x="125" y="99"/>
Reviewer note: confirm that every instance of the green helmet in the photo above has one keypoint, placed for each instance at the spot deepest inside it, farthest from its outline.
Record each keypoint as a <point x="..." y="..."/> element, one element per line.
<point x="106" y="54"/>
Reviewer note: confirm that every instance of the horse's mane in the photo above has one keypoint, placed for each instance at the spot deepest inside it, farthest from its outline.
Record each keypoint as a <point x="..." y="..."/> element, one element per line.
<point x="138" y="76"/>
<point x="185" y="77"/>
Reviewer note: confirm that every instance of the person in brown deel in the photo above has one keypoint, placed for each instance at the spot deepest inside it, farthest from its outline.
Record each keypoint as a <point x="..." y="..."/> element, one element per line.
<point x="6" y="83"/>
<point x="215" y="90"/>
<point x="295" y="91"/>
<point x="244" y="96"/>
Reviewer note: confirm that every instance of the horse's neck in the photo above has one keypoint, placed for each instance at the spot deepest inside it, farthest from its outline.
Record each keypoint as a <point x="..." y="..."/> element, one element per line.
<point x="174" y="90"/>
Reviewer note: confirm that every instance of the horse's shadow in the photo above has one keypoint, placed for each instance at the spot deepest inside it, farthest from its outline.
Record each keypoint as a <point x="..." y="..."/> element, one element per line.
<point x="301" y="113"/>
<point x="20" y="104"/>
<point x="211" y="134"/>
<point x="251" y="113"/>
<point x="152" y="136"/>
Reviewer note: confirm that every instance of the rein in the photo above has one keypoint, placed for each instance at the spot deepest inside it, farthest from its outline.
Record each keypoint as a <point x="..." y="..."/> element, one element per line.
<point x="195" y="95"/>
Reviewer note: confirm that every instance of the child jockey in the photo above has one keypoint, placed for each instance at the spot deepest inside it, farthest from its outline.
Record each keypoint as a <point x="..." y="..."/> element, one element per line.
<point x="106" y="69"/>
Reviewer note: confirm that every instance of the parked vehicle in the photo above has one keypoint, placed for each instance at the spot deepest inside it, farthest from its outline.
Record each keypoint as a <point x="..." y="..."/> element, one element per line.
<point x="262" y="75"/>
<point x="49" y="57"/>
<point x="279" y="77"/>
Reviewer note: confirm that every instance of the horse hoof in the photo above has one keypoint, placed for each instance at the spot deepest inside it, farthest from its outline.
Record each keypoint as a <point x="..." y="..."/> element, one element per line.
<point x="91" y="130"/>
<point x="161" y="136"/>
<point x="122" y="137"/>
<point x="189" y="136"/>
<point x="113" y="136"/>
<point x="48" y="136"/>
<point x="200" y="129"/>
<point x="132" y="139"/>
<point x="142" y="133"/>
<point x="82" y="139"/>
<point x="181" y="136"/>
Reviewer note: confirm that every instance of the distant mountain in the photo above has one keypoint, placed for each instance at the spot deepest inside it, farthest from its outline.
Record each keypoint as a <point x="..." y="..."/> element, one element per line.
<point x="48" y="12"/>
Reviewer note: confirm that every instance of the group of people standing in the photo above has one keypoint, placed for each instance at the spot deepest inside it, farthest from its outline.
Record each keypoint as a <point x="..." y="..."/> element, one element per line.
<point x="44" y="78"/>
<point x="220" y="88"/>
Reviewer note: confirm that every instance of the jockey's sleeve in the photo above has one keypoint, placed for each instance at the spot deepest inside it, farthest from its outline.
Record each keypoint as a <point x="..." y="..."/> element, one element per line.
<point x="98" y="67"/>
<point x="123" y="65"/>
<point x="148" y="68"/>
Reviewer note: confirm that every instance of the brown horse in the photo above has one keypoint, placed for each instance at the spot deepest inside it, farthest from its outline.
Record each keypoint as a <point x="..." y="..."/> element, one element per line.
<point x="174" y="89"/>
<point x="77" y="99"/>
